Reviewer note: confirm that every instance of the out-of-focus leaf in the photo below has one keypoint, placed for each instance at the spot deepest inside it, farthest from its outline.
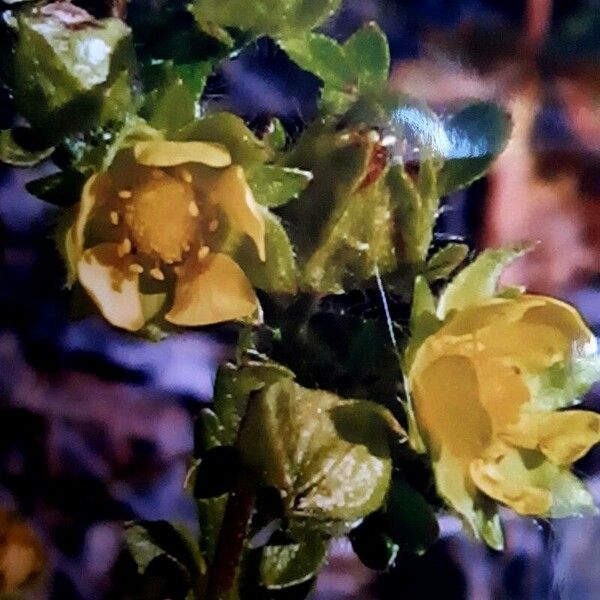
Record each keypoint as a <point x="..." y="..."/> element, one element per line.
<point x="207" y="432"/>
<point x="477" y="135"/>
<point x="368" y="53"/>
<point x="231" y="131"/>
<point x="271" y="17"/>
<point x="274" y="186"/>
<point x="14" y="154"/>
<point x="65" y="62"/>
<point x="444" y="262"/>
<point x="292" y="564"/>
<point x="291" y="441"/>
<point x="61" y="189"/>
<point x="278" y="274"/>
<point x="372" y="544"/>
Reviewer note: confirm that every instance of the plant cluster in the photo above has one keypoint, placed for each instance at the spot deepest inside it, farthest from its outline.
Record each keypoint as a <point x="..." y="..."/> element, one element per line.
<point x="381" y="375"/>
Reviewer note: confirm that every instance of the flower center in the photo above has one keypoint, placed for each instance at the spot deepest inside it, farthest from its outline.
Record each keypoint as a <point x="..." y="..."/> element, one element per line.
<point x="162" y="217"/>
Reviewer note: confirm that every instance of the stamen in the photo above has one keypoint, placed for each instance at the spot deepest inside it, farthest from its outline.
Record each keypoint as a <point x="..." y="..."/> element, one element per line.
<point x="193" y="209"/>
<point x="186" y="176"/>
<point x="157" y="174"/>
<point x="124" y="247"/>
<point x="135" y="268"/>
<point x="125" y="194"/>
<point x="213" y="225"/>
<point x="157" y="274"/>
<point x="114" y="217"/>
<point x="203" y="252"/>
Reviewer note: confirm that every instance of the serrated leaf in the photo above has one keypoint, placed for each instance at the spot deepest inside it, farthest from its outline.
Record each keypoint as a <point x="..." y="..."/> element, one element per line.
<point x="289" y="565"/>
<point x="291" y="441"/>
<point x="321" y="55"/>
<point x="444" y="262"/>
<point x="272" y="17"/>
<point x="368" y="52"/>
<point x="231" y="131"/>
<point x="278" y="274"/>
<point x="274" y="186"/>
<point x="477" y="135"/>
<point x="478" y="282"/>
<point x="12" y="153"/>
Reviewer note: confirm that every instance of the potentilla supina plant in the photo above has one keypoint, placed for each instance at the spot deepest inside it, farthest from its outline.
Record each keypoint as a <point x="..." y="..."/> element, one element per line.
<point x="156" y="225"/>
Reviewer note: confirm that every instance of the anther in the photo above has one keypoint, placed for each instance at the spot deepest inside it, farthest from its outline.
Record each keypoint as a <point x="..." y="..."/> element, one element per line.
<point x="203" y="252"/>
<point x="213" y="225"/>
<point x="124" y="247"/>
<point x="157" y="274"/>
<point x="186" y="176"/>
<point x="193" y="209"/>
<point x="157" y="174"/>
<point x="125" y="194"/>
<point x="114" y="217"/>
<point x="135" y="268"/>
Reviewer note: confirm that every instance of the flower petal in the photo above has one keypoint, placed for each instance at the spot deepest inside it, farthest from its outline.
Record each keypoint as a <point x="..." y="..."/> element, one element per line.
<point x="114" y="288"/>
<point x="89" y="197"/>
<point x="211" y="291"/>
<point x="496" y="479"/>
<point x="563" y="437"/>
<point x="159" y="153"/>
<point x="448" y="407"/>
<point x="233" y="194"/>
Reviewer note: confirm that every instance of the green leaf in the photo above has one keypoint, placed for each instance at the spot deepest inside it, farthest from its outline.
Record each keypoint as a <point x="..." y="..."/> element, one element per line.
<point x="274" y="186"/>
<point x="368" y="53"/>
<point x="416" y="205"/>
<point x="292" y="440"/>
<point x="12" y="153"/>
<point x="62" y="189"/>
<point x="279" y="273"/>
<point x="372" y="544"/>
<point x="321" y="55"/>
<point x="149" y="540"/>
<point x="477" y="135"/>
<point x="271" y="17"/>
<point x="174" y="91"/>
<point x="409" y="519"/>
<point x="276" y="137"/>
<point x="444" y="262"/>
<point x="233" y="387"/>
<point x="357" y="242"/>
<point x="97" y="151"/>
<point x="292" y="564"/>
<point x="478" y="282"/>
<point x="231" y="131"/>
<point x="208" y="432"/>
<point x="65" y="62"/>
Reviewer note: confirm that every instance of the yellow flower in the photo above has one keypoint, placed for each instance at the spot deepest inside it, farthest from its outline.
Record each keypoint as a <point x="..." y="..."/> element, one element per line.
<point x="484" y="390"/>
<point x="156" y="222"/>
